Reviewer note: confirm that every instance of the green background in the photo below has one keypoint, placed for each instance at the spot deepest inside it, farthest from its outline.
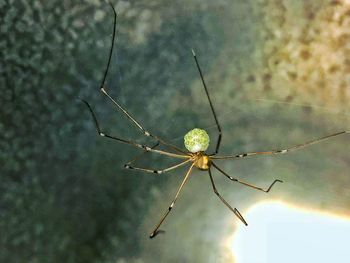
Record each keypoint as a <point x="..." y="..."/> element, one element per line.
<point x="278" y="73"/>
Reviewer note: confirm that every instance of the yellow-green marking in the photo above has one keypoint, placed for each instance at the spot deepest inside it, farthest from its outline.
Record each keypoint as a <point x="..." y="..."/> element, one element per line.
<point x="196" y="140"/>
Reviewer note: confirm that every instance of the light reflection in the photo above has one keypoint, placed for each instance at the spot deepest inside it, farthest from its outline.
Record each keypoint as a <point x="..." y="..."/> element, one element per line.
<point x="281" y="233"/>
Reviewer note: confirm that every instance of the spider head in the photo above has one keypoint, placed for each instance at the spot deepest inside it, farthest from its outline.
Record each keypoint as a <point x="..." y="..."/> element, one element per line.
<point x="196" y="140"/>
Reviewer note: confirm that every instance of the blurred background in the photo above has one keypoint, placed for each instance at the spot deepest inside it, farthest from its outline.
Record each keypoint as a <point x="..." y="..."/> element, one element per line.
<point x="278" y="72"/>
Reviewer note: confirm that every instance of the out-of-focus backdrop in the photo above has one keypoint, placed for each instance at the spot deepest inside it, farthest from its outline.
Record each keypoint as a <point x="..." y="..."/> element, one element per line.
<point x="278" y="73"/>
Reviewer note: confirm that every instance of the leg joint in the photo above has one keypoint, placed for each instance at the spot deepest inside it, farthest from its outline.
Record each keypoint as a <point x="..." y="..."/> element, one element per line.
<point x="146" y="148"/>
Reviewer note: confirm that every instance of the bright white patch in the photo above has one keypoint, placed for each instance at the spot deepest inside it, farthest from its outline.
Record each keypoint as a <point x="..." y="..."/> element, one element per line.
<point x="196" y="148"/>
<point x="278" y="233"/>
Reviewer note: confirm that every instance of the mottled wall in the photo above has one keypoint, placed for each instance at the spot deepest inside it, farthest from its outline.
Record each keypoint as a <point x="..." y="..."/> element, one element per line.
<point x="307" y="52"/>
<point x="64" y="195"/>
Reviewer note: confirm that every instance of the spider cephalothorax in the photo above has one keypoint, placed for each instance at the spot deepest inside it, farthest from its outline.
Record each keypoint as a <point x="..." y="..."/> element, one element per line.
<point x="201" y="160"/>
<point x="196" y="142"/>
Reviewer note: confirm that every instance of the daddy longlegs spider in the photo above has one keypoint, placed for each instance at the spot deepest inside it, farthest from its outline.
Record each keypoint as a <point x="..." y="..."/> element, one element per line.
<point x="196" y="142"/>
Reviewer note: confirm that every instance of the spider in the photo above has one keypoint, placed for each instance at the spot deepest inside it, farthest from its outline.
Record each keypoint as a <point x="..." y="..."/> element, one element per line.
<point x="196" y="142"/>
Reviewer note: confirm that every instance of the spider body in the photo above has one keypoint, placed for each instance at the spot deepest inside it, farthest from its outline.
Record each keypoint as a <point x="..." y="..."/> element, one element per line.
<point x="201" y="160"/>
<point x="196" y="142"/>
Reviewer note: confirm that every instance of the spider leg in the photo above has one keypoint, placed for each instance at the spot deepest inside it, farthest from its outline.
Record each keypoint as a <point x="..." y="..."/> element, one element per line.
<point x="273" y="152"/>
<point x="244" y="183"/>
<point x="135" y="144"/>
<point x="210" y="103"/>
<point x="156" y="231"/>
<point x="234" y="210"/>
<point x="137" y="157"/>
<point x="128" y="166"/>
<point x="102" y="88"/>
<point x="141" y="154"/>
<point x="111" y="48"/>
<point x="143" y="130"/>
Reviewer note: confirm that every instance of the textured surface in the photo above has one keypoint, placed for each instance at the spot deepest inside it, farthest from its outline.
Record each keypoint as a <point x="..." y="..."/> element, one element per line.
<point x="196" y="140"/>
<point x="63" y="193"/>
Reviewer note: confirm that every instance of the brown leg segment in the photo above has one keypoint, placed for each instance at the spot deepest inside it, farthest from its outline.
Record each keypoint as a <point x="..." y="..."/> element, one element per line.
<point x="247" y="184"/>
<point x="156" y="229"/>
<point x="234" y="210"/>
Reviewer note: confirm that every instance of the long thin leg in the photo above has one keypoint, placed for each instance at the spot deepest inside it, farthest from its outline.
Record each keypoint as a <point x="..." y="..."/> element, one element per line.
<point x="211" y="104"/>
<point x="244" y="183"/>
<point x="296" y="147"/>
<point x="234" y="210"/>
<point x="137" y="157"/>
<point x="111" y="48"/>
<point x="129" y="163"/>
<point x="141" y="146"/>
<point x="128" y="166"/>
<point x="102" y="88"/>
<point x="156" y="231"/>
<point x="145" y="132"/>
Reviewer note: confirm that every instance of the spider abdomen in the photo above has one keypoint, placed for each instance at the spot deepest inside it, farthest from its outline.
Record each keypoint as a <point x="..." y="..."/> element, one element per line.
<point x="196" y="140"/>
